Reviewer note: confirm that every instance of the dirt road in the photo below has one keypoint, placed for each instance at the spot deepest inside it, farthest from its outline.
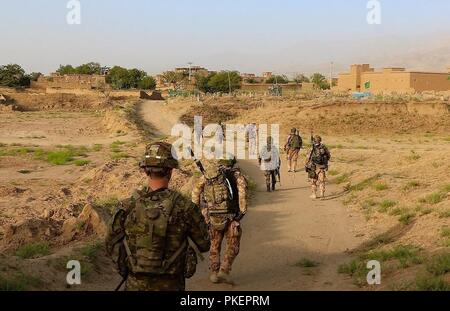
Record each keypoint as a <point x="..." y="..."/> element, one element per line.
<point x="281" y="229"/>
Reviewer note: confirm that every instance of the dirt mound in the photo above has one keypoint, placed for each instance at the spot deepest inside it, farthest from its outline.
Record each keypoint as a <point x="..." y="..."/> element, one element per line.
<point x="30" y="231"/>
<point x="26" y="100"/>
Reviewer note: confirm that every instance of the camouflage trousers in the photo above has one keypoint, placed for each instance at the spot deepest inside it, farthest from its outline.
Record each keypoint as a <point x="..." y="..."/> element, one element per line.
<point x="319" y="181"/>
<point x="232" y="232"/>
<point x="270" y="177"/>
<point x="163" y="283"/>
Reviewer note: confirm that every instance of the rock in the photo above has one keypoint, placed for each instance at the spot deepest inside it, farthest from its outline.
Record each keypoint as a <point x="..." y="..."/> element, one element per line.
<point x="70" y="229"/>
<point x="95" y="220"/>
<point x="66" y="191"/>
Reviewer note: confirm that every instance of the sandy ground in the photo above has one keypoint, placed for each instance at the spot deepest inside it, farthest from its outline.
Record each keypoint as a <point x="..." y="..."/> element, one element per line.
<point x="280" y="229"/>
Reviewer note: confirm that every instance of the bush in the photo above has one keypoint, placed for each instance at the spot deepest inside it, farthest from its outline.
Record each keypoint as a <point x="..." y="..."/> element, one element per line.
<point x="224" y="81"/>
<point x="147" y="83"/>
<point x="33" y="250"/>
<point x="13" y="75"/>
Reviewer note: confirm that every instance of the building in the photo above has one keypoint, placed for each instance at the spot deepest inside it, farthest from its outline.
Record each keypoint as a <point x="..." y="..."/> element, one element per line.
<point x="80" y="82"/>
<point x="363" y="78"/>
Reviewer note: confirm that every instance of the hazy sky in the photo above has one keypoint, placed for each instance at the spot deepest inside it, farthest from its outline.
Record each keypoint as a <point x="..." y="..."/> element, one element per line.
<point x="248" y="35"/>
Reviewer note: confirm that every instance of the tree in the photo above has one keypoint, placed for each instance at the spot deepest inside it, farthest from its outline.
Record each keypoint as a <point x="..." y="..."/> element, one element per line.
<point x="301" y="78"/>
<point x="278" y="79"/>
<point x="320" y="81"/>
<point x="118" y="78"/>
<point x="34" y="76"/>
<point x="173" y="77"/>
<point x="89" y="69"/>
<point x="13" y="75"/>
<point x="147" y="83"/>
<point x="66" y="70"/>
<point x="225" y="81"/>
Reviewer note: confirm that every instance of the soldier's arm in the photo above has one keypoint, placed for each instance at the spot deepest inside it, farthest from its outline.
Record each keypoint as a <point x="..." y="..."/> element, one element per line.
<point x="197" y="191"/>
<point x="242" y="188"/>
<point x="116" y="225"/>
<point x="198" y="229"/>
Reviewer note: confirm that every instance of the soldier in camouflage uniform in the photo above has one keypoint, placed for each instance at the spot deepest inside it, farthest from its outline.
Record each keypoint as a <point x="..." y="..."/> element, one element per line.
<point x="270" y="162"/>
<point x="224" y="190"/>
<point x="317" y="166"/>
<point x="155" y="236"/>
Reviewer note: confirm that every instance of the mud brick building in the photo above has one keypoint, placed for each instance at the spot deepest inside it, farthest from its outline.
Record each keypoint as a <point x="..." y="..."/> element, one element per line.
<point x="80" y="82"/>
<point x="363" y="78"/>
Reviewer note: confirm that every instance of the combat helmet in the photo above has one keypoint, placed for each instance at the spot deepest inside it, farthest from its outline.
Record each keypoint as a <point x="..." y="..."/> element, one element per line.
<point x="159" y="156"/>
<point x="317" y="139"/>
<point x="293" y="130"/>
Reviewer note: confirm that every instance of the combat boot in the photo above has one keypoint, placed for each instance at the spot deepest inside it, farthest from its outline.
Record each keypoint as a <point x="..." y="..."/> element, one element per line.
<point x="268" y="188"/>
<point x="322" y="194"/>
<point x="313" y="196"/>
<point x="273" y="187"/>
<point x="214" y="278"/>
<point x="225" y="277"/>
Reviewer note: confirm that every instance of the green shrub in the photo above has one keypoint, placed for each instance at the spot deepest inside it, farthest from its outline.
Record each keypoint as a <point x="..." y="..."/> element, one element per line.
<point x="306" y="263"/>
<point x="33" y="250"/>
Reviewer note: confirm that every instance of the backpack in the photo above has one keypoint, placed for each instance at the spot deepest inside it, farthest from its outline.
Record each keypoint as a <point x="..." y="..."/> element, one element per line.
<point x="146" y="238"/>
<point x="320" y="155"/>
<point x="295" y="142"/>
<point x="221" y="194"/>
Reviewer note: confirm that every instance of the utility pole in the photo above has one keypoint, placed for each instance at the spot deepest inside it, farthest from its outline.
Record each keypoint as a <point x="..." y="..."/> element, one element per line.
<point x="190" y="71"/>
<point x="331" y="74"/>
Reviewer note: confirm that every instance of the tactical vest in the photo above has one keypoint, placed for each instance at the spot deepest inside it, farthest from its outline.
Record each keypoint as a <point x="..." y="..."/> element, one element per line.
<point x="295" y="142"/>
<point x="146" y="231"/>
<point x="221" y="194"/>
<point x="320" y="155"/>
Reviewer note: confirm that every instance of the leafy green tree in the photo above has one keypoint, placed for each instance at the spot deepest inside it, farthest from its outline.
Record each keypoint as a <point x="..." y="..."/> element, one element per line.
<point x="118" y="78"/>
<point x="89" y="69"/>
<point x="225" y="81"/>
<point x="278" y="79"/>
<point x="147" y="83"/>
<point x="66" y="70"/>
<point x="301" y="78"/>
<point x="320" y="81"/>
<point x="13" y="75"/>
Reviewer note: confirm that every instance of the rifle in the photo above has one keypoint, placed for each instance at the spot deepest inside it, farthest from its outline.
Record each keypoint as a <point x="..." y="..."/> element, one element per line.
<point x="308" y="166"/>
<point x="198" y="163"/>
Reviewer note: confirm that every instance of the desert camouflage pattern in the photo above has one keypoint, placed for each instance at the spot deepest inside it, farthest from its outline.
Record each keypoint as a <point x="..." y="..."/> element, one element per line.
<point x="319" y="181"/>
<point x="223" y="226"/>
<point x="270" y="177"/>
<point x="154" y="240"/>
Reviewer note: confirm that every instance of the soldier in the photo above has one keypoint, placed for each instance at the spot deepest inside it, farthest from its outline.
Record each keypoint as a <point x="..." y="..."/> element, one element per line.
<point x="224" y="191"/>
<point x="317" y="165"/>
<point x="292" y="147"/>
<point x="154" y="236"/>
<point x="270" y="162"/>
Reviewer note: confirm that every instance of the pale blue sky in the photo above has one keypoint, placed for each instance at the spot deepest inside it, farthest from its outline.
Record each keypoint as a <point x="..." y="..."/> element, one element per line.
<point x="247" y="35"/>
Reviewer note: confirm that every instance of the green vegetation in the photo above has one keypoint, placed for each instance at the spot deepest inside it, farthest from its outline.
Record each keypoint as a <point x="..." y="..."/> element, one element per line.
<point x="320" y="81"/>
<point x="365" y="183"/>
<point x="220" y="82"/>
<point x="86" y="69"/>
<point x="92" y="250"/>
<point x="33" y="250"/>
<point x="439" y="264"/>
<point x="407" y="218"/>
<point x="380" y="186"/>
<point x="407" y="255"/>
<point x="97" y="147"/>
<point x="427" y="283"/>
<point x="277" y="79"/>
<point x="122" y="78"/>
<point x="13" y="75"/>
<point x="386" y="204"/>
<point x="306" y="263"/>
<point x="436" y="197"/>
<point x="342" y="178"/>
<point x="82" y="162"/>
<point x="20" y="282"/>
<point x="444" y="214"/>
<point x="116" y="149"/>
<point x="109" y="204"/>
<point x="333" y="172"/>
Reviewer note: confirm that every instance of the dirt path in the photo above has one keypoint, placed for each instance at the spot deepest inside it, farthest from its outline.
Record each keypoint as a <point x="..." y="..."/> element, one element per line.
<point x="280" y="229"/>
